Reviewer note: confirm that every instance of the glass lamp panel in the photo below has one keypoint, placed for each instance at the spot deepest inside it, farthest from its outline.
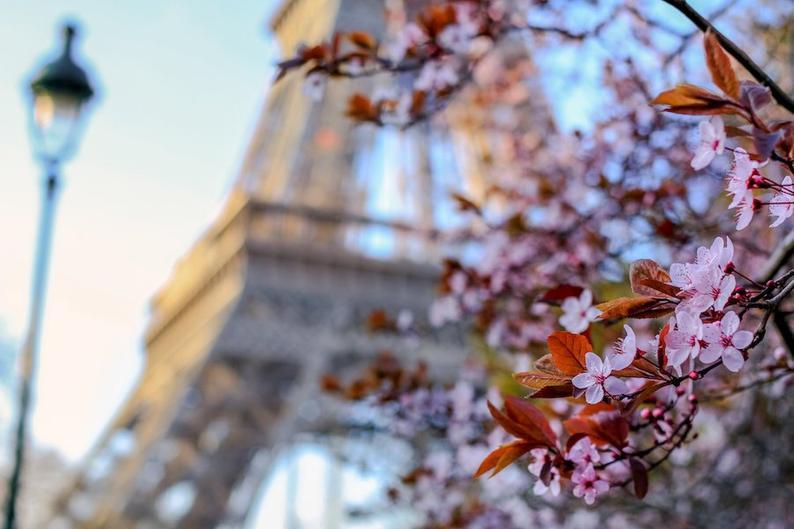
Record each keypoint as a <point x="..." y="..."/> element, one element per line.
<point x="55" y="120"/>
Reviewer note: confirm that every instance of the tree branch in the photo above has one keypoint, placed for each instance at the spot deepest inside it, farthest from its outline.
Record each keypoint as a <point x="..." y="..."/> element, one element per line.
<point x="784" y="331"/>
<point x="737" y="53"/>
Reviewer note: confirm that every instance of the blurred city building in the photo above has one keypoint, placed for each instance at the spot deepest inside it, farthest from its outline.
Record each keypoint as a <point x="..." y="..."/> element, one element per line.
<point x="326" y="223"/>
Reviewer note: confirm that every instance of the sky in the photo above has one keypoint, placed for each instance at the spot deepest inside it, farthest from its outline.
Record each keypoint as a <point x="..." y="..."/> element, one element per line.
<point x="180" y="84"/>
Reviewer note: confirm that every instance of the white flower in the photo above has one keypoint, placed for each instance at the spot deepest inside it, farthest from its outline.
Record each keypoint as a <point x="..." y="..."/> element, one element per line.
<point x="684" y="342"/>
<point x="782" y="204"/>
<point x="588" y="484"/>
<point x="624" y="351"/>
<point x="726" y="340"/>
<point x="578" y="312"/>
<point x="597" y="380"/>
<point x="712" y="142"/>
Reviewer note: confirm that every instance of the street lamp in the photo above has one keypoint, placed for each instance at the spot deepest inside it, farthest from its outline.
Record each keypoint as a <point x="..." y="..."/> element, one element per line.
<point x="60" y="92"/>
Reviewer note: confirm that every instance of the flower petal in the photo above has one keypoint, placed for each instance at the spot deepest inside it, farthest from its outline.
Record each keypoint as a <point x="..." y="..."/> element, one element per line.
<point x="616" y="386"/>
<point x="733" y="359"/>
<point x="730" y="323"/>
<point x="595" y="394"/>
<point x="710" y="354"/>
<point x="583" y="380"/>
<point x="742" y="339"/>
<point x="593" y="363"/>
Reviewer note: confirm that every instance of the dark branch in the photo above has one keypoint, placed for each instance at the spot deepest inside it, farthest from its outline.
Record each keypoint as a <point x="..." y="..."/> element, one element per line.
<point x="737" y="53"/>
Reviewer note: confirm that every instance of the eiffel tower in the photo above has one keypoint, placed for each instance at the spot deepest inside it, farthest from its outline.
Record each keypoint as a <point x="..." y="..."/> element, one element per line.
<point x="274" y="294"/>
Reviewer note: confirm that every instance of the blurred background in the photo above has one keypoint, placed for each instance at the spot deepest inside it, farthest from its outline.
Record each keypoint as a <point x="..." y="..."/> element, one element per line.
<point x="250" y="215"/>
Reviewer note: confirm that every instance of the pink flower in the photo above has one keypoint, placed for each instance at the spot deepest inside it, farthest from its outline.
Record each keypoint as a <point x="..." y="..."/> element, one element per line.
<point x="455" y="38"/>
<point x="411" y="36"/>
<point x="713" y="288"/>
<point x="741" y="177"/>
<point x="541" y="488"/>
<point x="719" y="254"/>
<point x="684" y="342"/>
<point x="726" y="340"/>
<point x="624" y="351"/>
<point x="588" y="484"/>
<point x="443" y="310"/>
<point x="597" y="380"/>
<point x="712" y="142"/>
<point x="578" y="312"/>
<point x="584" y="453"/>
<point x="437" y="75"/>
<point x="540" y="456"/>
<point x="782" y="204"/>
<point x="747" y="208"/>
<point x="314" y="85"/>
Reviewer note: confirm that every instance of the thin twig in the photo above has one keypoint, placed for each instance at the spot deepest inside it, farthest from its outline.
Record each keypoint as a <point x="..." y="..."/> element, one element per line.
<point x="735" y="51"/>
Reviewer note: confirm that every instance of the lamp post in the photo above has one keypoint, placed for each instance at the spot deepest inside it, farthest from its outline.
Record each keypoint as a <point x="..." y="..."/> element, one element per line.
<point x="59" y="94"/>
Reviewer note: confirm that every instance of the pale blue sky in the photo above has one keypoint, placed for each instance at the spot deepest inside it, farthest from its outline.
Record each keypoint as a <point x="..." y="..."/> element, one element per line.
<point x="180" y="84"/>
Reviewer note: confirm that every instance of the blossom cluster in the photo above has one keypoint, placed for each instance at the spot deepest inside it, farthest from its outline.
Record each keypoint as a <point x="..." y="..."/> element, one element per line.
<point x="744" y="180"/>
<point x="561" y="215"/>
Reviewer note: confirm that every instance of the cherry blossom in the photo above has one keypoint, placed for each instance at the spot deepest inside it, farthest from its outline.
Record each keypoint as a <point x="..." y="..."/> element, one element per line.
<point x="314" y="86"/>
<point x="540" y="458"/>
<point x="443" y="310"/>
<point x="410" y="36"/>
<point x="746" y="209"/>
<point x="726" y="340"/>
<point x="584" y="452"/>
<point x="684" y="341"/>
<point x="713" y="288"/>
<point x="437" y="76"/>
<point x="541" y="488"/>
<point x="712" y="142"/>
<point x="588" y="484"/>
<point x="578" y="312"/>
<point x="623" y="352"/>
<point x="741" y="177"/>
<point x="719" y="253"/>
<point x="782" y="204"/>
<point x="597" y="380"/>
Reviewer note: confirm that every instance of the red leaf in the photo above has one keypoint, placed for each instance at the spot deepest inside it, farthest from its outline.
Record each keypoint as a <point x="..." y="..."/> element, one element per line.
<point x="532" y="418"/>
<point x="647" y="278"/>
<point x="690" y="99"/>
<point x="568" y="351"/>
<point x="639" y="307"/>
<point x="362" y="39"/>
<point x="527" y="432"/>
<point x="561" y="292"/>
<point x="501" y="458"/>
<point x="720" y="66"/>
<point x="639" y="475"/>
<point x="554" y="392"/>
<point x="603" y="427"/>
